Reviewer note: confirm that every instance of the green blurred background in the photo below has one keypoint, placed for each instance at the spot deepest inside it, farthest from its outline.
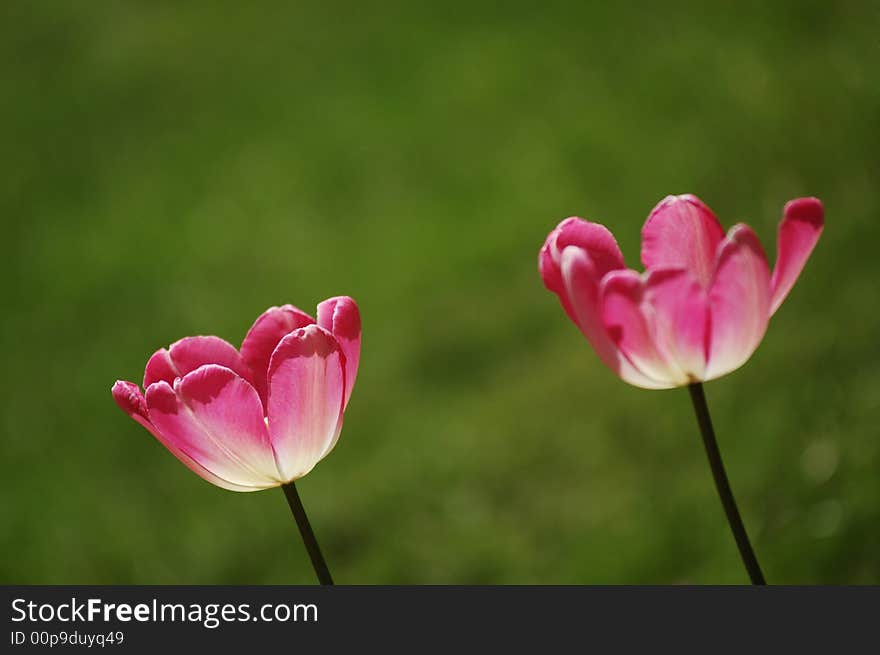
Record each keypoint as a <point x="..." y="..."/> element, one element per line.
<point x="172" y="169"/>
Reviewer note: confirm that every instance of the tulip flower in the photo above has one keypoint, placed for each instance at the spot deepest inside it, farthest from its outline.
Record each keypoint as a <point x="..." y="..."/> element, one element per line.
<point x="258" y="417"/>
<point x="699" y="310"/>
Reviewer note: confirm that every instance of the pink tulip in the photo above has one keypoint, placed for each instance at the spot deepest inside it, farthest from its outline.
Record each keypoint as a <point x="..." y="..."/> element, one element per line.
<point x="260" y="417"/>
<point x="702" y="306"/>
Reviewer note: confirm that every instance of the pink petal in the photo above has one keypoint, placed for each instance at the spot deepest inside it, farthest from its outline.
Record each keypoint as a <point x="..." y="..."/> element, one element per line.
<point x="130" y="399"/>
<point x="680" y="320"/>
<point x="628" y="320"/>
<point x="263" y="337"/>
<point x="306" y="396"/>
<point x="802" y="223"/>
<point x="190" y="353"/>
<point x="582" y="290"/>
<point x="595" y="239"/>
<point x="682" y="232"/>
<point x="160" y="367"/>
<point x="341" y="317"/>
<point x="216" y="418"/>
<point x="739" y="301"/>
<point x="600" y="255"/>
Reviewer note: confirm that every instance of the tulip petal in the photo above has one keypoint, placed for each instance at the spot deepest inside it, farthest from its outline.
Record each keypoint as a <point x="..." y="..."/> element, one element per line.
<point x="682" y="232"/>
<point x="160" y="367"/>
<point x="188" y="354"/>
<point x="739" y="299"/>
<point x="263" y="337"/>
<point x="306" y="396"/>
<point x="583" y="290"/>
<point x="594" y="238"/>
<point x="602" y="255"/>
<point x="799" y="230"/>
<point x="628" y="319"/>
<point x="130" y="399"/>
<point x="216" y="418"/>
<point x="680" y="320"/>
<point x="341" y="317"/>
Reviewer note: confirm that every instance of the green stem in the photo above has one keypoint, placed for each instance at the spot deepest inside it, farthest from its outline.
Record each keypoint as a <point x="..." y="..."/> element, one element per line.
<point x="308" y="537"/>
<point x="723" y="485"/>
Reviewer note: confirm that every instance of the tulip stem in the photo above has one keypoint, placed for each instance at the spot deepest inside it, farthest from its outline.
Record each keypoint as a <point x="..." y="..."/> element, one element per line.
<point x="308" y="537"/>
<point x="723" y="485"/>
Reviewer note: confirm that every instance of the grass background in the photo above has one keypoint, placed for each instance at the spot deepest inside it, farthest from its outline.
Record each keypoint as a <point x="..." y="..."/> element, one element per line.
<point x="171" y="170"/>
